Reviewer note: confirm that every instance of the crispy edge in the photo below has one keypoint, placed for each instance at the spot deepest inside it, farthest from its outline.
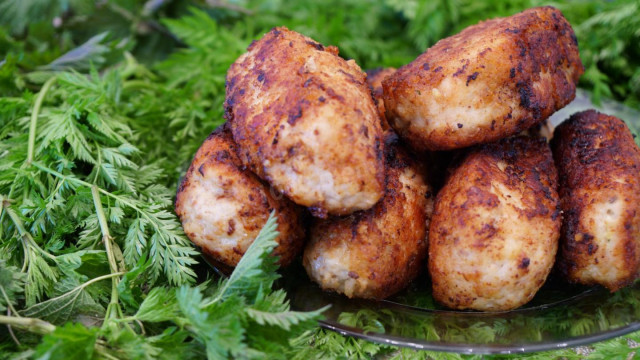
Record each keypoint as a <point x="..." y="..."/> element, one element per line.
<point x="529" y="57"/>
<point x="219" y="149"/>
<point x="529" y="163"/>
<point x="584" y="165"/>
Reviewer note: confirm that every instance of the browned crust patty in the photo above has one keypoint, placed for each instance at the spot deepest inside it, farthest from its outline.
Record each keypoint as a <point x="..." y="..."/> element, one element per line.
<point x="494" y="232"/>
<point x="305" y="121"/>
<point x="374" y="79"/>
<point x="599" y="168"/>
<point x="490" y="81"/>
<point x="223" y="206"/>
<point x="377" y="252"/>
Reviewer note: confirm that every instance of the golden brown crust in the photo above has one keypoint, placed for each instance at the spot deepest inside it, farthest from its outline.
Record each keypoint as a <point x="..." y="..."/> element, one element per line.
<point x="490" y="81"/>
<point x="374" y="80"/>
<point x="599" y="167"/>
<point x="304" y="121"/>
<point x="494" y="232"/>
<point x="377" y="252"/>
<point x="223" y="206"/>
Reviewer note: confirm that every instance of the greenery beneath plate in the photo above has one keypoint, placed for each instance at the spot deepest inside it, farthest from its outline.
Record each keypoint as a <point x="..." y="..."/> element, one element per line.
<point x="103" y="104"/>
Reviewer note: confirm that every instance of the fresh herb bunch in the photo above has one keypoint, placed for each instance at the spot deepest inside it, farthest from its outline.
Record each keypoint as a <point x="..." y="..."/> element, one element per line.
<point x="374" y="33"/>
<point x="93" y="257"/>
<point x="102" y="106"/>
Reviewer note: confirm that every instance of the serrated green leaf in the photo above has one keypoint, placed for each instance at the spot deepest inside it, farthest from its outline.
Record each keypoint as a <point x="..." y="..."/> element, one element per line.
<point x="73" y="301"/>
<point x="256" y="268"/>
<point x="218" y="326"/>
<point x="71" y="341"/>
<point x="159" y="305"/>
<point x="284" y="319"/>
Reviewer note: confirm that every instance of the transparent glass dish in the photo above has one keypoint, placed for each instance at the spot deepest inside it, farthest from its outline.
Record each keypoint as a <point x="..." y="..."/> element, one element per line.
<point x="560" y="315"/>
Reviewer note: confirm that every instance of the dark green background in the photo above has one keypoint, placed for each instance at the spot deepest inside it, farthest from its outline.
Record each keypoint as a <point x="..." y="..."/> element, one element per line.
<point x="183" y="64"/>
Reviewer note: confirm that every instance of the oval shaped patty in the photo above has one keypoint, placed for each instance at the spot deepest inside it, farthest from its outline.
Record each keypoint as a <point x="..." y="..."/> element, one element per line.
<point x="490" y="81"/>
<point x="599" y="169"/>
<point x="304" y="121"/>
<point x="223" y="206"/>
<point x="377" y="252"/>
<point x="494" y="232"/>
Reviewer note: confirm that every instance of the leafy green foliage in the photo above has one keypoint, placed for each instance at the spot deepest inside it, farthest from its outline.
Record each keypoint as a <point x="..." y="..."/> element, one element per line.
<point x="274" y="310"/>
<point x="84" y="139"/>
<point x="74" y="300"/>
<point x="159" y="305"/>
<point x="115" y="97"/>
<point x="243" y="316"/>
<point x="11" y="286"/>
<point x="256" y="269"/>
<point x="72" y="341"/>
<point x="216" y="326"/>
<point x="18" y="13"/>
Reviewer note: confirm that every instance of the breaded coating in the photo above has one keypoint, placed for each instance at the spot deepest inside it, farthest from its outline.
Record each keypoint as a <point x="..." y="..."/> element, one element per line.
<point x="494" y="232"/>
<point x="305" y="121"/>
<point x="223" y="206"/>
<point x="377" y="252"/>
<point x="599" y="170"/>
<point x="374" y="80"/>
<point x="490" y="81"/>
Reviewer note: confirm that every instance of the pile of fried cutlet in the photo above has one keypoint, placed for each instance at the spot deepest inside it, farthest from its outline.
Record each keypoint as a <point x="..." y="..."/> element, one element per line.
<point x="439" y="165"/>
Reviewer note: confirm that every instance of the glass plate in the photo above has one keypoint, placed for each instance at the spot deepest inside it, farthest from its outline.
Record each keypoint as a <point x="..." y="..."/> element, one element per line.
<point x="559" y="316"/>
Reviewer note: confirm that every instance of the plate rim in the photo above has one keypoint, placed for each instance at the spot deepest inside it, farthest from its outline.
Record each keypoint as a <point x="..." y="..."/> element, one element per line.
<point x="478" y="349"/>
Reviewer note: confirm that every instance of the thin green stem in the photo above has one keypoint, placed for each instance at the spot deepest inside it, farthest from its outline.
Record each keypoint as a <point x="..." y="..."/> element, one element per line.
<point x="97" y="166"/>
<point x="13" y="336"/>
<point x="9" y="304"/>
<point x="108" y="244"/>
<point x="104" y="228"/>
<point x="25" y="260"/>
<point x="102" y="349"/>
<point x="33" y="325"/>
<point x="34" y="118"/>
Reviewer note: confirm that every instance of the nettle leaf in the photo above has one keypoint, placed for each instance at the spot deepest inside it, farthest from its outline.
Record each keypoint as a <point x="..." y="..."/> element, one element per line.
<point x="257" y="268"/>
<point x="273" y="309"/>
<point x="174" y="344"/>
<point x="218" y="326"/>
<point x="159" y="305"/>
<point x="71" y="341"/>
<point x="284" y="319"/>
<point x="74" y="300"/>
